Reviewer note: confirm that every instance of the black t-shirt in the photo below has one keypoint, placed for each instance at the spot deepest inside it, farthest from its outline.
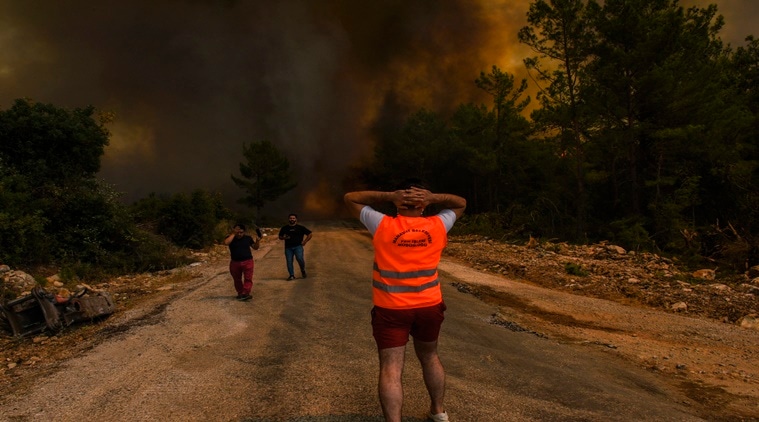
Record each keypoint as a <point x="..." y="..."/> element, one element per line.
<point x="296" y="233"/>
<point x="239" y="248"/>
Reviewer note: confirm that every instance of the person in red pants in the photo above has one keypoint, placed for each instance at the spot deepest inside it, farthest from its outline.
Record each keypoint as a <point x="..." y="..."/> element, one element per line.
<point x="241" y="248"/>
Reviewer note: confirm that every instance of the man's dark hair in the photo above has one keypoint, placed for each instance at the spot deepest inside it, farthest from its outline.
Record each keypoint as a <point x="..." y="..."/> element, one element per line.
<point x="292" y="215"/>
<point x="412" y="182"/>
<point x="242" y="226"/>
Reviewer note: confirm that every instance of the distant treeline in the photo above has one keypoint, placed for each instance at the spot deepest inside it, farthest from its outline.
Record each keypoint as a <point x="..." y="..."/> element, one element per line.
<point x="645" y="133"/>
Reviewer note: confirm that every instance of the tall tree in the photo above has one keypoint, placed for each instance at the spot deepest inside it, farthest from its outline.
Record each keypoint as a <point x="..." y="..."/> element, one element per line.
<point x="656" y="81"/>
<point x="560" y="34"/>
<point x="473" y="126"/>
<point x="265" y="175"/>
<point x="740" y="204"/>
<point x="510" y="127"/>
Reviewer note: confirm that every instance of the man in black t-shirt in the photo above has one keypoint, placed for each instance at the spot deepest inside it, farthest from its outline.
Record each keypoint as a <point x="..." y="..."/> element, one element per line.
<point x="241" y="248"/>
<point x="295" y="237"/>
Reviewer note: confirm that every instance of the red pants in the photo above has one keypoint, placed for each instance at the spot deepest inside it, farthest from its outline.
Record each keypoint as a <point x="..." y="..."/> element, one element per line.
<point x="391" y="327"/>
<point x="242" y="274"/>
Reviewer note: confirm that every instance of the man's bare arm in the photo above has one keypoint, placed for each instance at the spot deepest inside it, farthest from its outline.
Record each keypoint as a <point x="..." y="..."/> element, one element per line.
<point x="407" y="198"/>
<point x="358" y="200"/>
<point x="450" y="201"/>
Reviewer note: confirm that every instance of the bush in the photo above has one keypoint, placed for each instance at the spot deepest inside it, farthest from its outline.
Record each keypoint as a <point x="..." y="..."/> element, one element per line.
<point x="190" y="221"/>
<point x="487" y="224"/>
<point x="631" y="234"/>
<point x="575" y="269"/>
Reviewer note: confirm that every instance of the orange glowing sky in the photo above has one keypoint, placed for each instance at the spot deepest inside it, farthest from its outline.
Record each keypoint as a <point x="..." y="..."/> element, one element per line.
<point x="190" y="81"/>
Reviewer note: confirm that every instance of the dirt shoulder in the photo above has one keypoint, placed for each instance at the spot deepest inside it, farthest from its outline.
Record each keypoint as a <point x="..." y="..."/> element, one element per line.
<point x="631" y="305"/>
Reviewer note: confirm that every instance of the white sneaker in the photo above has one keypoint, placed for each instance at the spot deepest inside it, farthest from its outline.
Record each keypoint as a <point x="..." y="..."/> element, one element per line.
<point x="440" y="417"/>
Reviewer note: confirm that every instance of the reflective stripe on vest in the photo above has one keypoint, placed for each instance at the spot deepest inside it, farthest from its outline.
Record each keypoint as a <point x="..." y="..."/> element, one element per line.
<point x="407" y="274"/>
<point x="404" y="289"/>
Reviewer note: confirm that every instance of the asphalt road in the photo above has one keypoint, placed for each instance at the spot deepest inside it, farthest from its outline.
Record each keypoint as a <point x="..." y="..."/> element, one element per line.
<point x="302" y="351"/>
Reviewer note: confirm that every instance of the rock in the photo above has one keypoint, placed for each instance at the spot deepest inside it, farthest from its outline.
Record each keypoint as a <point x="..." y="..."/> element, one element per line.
<point x="616" y="249"/>
<point x="18" y="282"/>
<point x="84" y="286"/>
<point x="680" y="306"/>
<point x="704" y="274"/>
<point x="749" y="321"/>
<point x="753" y="272"/>
<point x="4" y="269"/>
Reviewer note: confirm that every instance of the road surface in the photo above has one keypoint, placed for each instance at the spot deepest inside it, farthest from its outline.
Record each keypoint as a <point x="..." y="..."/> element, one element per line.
<point x="302" y="350"/>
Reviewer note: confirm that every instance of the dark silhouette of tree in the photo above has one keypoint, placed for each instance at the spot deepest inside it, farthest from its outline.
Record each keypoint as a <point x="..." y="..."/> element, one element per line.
<point x="657" y="80"/>
<point x="510" y="128"/>
<point x="560" y="34"/>
<point x="266" y="175"/>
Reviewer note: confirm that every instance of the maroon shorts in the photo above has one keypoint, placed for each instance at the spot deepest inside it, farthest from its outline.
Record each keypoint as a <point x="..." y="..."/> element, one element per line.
<point x="391" y="327"/>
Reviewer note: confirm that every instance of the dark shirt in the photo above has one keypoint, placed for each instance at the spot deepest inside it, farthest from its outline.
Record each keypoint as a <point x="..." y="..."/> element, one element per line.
<point x="296" y="233"/>
<point x="239" y="248"/>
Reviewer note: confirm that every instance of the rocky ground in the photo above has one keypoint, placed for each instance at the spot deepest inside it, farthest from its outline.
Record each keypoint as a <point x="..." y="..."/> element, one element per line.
<point x="609" y="272"/>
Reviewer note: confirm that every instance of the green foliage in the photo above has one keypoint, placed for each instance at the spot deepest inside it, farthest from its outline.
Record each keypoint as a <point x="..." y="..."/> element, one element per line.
<point x="51" y="145"/>
<point x="631" y="234"/>
<point x="22" y="223"/>
<point x="53" y="208"/>
<point x="53" y="211"/>
<point x="266" y="174"/>
<point x="189" y="221"/>
<point x="485" y="224"/>
<point x="153" y="252"/>
<point x="145" y="252"/>
<point x="575" y="269"/>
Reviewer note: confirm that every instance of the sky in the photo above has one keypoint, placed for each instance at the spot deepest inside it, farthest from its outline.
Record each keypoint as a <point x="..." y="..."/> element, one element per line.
<point x="191" y="81"/>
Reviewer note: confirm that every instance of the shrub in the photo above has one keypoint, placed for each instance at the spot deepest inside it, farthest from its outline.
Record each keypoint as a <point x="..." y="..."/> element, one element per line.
<point x="575" y="269"/>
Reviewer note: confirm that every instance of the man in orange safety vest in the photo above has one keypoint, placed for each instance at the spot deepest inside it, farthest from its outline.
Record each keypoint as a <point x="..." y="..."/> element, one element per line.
<point x="406" y="289"/>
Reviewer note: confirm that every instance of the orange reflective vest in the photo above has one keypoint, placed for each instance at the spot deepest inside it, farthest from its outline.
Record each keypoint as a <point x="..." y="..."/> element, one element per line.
<point x="406" y="254"/>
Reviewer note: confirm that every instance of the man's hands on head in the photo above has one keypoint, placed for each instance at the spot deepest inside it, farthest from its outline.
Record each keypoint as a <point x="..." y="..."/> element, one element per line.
<point x="411" y="198"/>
